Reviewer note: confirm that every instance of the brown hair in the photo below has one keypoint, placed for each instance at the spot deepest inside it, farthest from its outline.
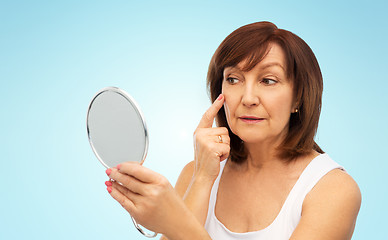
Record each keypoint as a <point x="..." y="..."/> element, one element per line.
<point x="251" y="43"/>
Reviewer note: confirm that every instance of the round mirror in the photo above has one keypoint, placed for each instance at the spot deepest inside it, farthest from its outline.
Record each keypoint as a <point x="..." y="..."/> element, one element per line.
<point x="117" y="130"/>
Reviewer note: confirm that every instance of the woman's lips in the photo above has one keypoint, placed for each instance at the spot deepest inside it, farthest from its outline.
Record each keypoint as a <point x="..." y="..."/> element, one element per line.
<point x="251" y="119"/>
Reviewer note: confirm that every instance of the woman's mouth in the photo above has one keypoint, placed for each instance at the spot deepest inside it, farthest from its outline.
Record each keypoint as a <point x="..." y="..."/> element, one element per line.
<point x="251" y="119"/>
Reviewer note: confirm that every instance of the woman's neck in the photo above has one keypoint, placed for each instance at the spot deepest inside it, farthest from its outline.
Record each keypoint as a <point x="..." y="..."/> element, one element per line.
<point x="264" y="158"/>
<point x="260" y="157"/>
<point x="265" y="151"/>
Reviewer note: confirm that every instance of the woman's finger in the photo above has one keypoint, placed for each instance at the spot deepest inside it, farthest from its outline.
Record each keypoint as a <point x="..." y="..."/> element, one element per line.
<point x="139" y="172"/>
<point x="126" y="180"/>
<point x="212" y="131"/>
<point x="223" y="152"/>
<point x="211" y="113"/>
<point x="134" y="197"/>
<point x="222" y="139"/>
<point x="126" y="203"/>
<point x="219" y="135"/>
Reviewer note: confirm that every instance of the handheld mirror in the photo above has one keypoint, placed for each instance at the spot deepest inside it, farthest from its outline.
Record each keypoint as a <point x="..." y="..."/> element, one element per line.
<point x="117" y="131"/>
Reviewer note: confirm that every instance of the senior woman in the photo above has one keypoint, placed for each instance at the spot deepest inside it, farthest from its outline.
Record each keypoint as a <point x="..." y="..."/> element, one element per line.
<point x="259" y="174"/>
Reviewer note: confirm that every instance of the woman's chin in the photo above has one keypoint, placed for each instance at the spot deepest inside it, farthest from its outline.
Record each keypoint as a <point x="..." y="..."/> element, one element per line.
<point x="251" y="139"/>
<point x="259" y="139"/>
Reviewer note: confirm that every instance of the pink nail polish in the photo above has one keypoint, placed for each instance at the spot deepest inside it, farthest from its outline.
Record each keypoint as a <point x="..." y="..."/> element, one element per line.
<point x="220" y="97"/>
<point x="108" y="183"/>
<point x="108" y="171"/>
<point x="109" y="189"/>
<point x="118" y="167"/>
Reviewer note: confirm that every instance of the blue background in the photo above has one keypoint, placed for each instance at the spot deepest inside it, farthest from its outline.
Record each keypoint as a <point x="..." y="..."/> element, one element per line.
<point x="55" y="55"/>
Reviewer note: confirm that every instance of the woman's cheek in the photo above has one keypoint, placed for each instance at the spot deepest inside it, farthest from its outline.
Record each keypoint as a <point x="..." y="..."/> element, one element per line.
<point x="228" y="113"/>
<point x="228" y="105"/>
<point x="226" y="108"/>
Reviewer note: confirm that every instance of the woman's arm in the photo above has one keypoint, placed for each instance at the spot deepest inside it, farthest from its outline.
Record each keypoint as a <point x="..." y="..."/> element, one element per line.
<point x="187" y="186"/>
<point x="196" y="179"/>
<point x="330" y="209"/>
<point x="195" y="191"/>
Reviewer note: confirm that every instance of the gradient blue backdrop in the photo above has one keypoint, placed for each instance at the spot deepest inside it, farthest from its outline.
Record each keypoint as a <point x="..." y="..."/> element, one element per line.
<point x="55" y="55"/>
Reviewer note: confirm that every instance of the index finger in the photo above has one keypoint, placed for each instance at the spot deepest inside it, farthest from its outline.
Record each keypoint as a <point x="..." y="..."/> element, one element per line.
<point x="208" y="118"/>
<point x="138" y="171"/>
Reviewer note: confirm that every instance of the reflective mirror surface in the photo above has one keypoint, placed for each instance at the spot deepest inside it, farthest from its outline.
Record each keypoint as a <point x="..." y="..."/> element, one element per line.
<point x="116" y="128"/>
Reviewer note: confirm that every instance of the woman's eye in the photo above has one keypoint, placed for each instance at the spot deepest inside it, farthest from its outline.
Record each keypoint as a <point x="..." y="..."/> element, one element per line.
<point x="268" y="81"/>
<point x="232" y="80"/>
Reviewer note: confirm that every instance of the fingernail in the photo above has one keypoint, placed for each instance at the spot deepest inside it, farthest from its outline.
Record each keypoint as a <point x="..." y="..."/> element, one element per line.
<point x="108" y="171"/>
<point x="220" y="97"/>
<point x="109" y="189"/>
<point x="108" y="183"/>
<point x="118" y="167"/>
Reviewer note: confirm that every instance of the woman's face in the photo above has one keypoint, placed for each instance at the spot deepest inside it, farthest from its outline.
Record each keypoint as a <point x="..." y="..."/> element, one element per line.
<point x="258" y="103"/>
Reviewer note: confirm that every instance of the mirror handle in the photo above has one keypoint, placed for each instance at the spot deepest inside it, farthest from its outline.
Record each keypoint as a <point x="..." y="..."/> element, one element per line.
<point x="141" y="230"/>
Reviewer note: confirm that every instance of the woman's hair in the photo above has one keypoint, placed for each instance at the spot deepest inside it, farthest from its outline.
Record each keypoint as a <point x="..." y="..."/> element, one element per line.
<point x="250" y="43"/>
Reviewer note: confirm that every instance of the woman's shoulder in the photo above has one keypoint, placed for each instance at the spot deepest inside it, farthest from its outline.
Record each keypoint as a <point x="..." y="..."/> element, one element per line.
<point x="336" y="181"/>
<point x="333" y="203"/>
<point x="330" y="209"/>
<point x="337" y="184"/>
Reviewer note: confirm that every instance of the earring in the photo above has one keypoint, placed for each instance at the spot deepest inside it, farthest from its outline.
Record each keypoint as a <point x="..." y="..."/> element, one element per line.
<point x="296" y="110"/>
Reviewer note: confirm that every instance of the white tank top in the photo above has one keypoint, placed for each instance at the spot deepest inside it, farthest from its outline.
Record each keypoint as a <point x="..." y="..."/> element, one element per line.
<point x="288" y="218"/>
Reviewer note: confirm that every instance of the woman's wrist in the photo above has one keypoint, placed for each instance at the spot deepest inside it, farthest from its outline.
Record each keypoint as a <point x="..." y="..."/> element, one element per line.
<point x="197" y="197"/>
<point x="203" y="179"/>
<point x="200" y="185"/>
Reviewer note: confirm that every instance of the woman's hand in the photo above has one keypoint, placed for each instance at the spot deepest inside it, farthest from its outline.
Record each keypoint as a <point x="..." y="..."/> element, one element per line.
<point x="152" y="201"/>
<point x="146" y="195"/>
<point x="211" y="145"/>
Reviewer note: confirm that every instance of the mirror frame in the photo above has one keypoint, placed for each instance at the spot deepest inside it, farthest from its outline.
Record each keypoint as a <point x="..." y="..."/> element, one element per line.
<point x="140" y="114"/>
<point x="138" y="111"/>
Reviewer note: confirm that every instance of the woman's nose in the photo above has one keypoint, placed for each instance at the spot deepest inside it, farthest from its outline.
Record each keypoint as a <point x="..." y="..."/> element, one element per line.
<point x="250" y="98"/>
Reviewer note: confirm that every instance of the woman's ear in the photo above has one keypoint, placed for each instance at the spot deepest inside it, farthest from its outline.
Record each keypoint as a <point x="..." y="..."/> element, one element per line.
<point x="295" y="108"/>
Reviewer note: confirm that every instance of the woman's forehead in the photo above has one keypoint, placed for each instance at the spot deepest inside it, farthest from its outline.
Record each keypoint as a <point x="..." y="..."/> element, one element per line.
<point x="274" y="57"/>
